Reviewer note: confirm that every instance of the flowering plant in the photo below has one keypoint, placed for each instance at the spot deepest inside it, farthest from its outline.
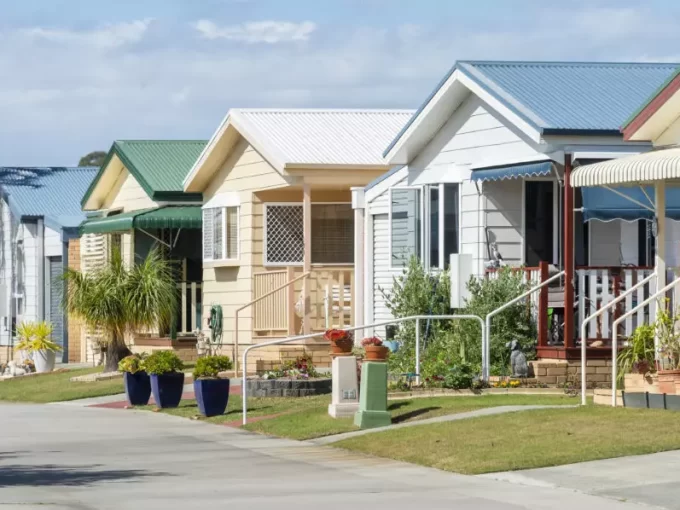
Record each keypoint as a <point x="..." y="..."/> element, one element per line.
<point x="374" y="340"/>
<point x="335" y="335"/>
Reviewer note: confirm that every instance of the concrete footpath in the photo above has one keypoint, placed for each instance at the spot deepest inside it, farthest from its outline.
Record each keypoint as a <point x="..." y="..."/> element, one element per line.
<point x="71" y="457"/>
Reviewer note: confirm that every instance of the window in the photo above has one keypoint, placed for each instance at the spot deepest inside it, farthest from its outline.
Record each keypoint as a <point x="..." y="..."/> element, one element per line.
<point x="220" y="233"/>
<point x="332" y="234"/>
<point x="450" y="220"/>
<point x="405" y="225"/>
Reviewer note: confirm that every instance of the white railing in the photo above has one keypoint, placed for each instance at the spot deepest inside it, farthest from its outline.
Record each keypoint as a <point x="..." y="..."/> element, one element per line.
<point x="417" y="318"/>
<point x="190" y="298"/>
<point x="596" y="287"/>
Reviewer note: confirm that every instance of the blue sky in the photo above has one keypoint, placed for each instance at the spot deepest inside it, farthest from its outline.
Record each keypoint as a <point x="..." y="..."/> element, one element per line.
<point x="78" y="74"/>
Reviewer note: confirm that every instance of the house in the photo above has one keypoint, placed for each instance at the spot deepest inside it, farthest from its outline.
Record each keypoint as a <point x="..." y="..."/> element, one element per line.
<point x="277" y="215"/>
<point x="483" y="167"/>
<point x="136" y="202"/>
<point x="39" y="216"/>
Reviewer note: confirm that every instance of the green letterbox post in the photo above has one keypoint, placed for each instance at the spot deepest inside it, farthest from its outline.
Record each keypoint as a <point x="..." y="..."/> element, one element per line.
<point x="373" y="396"/>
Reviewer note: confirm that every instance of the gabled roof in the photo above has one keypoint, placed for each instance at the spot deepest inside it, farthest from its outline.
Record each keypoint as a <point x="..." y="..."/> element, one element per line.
<point x="52" y="193"/>
<point x="159" y="166"/>
<point x="298" y="138"/>
<point x="586" y="98"/>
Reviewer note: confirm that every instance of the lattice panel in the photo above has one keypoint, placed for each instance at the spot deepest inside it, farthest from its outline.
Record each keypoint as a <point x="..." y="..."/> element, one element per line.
<point x="285" y="239"/>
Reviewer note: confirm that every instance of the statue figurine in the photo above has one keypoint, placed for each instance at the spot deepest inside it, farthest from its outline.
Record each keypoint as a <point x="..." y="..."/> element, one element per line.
<point x="518" y="361"/>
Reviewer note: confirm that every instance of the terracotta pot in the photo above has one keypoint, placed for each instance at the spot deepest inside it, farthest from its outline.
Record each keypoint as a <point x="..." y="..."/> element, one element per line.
<point x="376" y="353"/>
<point x="342" y="347"/>
<point x="667" y="381"/>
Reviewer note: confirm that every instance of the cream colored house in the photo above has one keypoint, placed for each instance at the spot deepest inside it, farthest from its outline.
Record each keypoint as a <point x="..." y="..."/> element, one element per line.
<point x="136" y="202"/>
<point x="277" y="214"/>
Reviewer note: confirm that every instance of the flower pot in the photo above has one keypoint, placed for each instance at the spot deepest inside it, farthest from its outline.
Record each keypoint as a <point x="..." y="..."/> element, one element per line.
<point x="376" y="353"/>
<point x="342" y="346"/>
<point x="668" y="380"/>
<point x="44" y="360"/>
<point x="167" y="389"/>
<point x="635" y="400"/>
<point x="212" y="396"/>
<point x="137" y="388"/>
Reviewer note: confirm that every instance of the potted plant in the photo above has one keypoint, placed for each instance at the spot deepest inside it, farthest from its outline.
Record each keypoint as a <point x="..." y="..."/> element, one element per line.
<point x="669" y="349"/>
<point x="374" y="348"/>
<point x="636" y="362"/>
<point x="167" y="379"/>
<point x="341" y="341"/>
<point x="35" y="340"/>
<point x="137" y="383"/>
<point x="212" y="392"/>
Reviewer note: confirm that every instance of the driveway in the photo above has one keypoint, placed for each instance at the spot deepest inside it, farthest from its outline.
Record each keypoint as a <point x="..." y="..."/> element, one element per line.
<point x="67" y="457"/>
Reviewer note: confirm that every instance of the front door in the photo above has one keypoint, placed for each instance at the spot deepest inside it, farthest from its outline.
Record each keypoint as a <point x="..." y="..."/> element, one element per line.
<point x="539" y="224"/>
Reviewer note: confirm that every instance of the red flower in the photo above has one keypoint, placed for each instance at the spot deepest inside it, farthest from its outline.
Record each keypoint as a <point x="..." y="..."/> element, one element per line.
<point x="374" y="340"/>
<point x="333" y="335"/>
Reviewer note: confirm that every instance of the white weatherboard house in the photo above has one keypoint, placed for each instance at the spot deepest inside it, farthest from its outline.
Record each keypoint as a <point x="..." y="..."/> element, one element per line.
<point x="481" y="167"/>
<point x="39" y="213"/>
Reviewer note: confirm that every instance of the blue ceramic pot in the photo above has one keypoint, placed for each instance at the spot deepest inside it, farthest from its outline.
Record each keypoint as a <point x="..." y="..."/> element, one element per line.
<point x="167" y="389"/>
<point x="137" y="388"/>
<point x="212" y="396"/>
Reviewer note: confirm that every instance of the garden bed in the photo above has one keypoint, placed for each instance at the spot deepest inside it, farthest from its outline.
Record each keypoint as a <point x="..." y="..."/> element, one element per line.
<point x="288" y="387"/>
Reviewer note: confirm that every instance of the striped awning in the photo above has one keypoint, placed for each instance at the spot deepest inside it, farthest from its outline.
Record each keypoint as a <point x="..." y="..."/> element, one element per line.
<point x="163" y="217"/>
<point x="639" y="169"/>
<point x="516" y="171"/>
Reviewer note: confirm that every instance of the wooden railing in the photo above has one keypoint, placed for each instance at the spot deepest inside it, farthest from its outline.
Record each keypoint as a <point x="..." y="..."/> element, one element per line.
<point x="531" y="276"/>
<point x="332" y="297"/>
<point x="189" y="318"/>
<point x="271" y="310"/>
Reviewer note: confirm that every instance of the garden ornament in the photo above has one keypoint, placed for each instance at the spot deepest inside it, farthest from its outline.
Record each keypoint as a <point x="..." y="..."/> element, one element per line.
<point x="518" y="361"/>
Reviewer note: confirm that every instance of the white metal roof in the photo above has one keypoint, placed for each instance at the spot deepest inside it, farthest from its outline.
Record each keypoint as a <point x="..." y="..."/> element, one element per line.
<point x="641" y="168"/>
<point x="325" y="137"/>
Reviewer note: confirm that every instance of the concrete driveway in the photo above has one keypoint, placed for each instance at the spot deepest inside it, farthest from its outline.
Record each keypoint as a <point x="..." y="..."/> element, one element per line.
<point x="59" y="457"/>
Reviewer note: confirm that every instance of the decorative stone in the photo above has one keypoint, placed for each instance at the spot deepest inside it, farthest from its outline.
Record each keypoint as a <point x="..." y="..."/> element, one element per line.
<point x="345" y="391"/>
<point x="287" y="387"/>
<point x="373" y="398"/>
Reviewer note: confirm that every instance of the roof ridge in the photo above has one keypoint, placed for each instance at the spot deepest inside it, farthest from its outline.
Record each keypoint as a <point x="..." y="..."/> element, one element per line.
<point x="324" y="110"/>
<point x="566" y="63"/>
<point x="162" y="141"/>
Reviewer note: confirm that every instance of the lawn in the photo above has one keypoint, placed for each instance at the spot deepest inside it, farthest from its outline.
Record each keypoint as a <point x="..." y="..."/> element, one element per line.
<point x="56" y="387"/>
<point x="307" y="418"/>
<point x="528" y="439"/>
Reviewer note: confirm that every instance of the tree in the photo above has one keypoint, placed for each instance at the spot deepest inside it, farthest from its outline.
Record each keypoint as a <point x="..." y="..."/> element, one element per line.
<point x="120" y="300"/>
<point x="95" y="158"/>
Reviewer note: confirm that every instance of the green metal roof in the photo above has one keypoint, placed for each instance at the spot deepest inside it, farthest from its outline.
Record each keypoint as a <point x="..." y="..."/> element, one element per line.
<point x="164" y="217"/>
<point x="159" y="166"/>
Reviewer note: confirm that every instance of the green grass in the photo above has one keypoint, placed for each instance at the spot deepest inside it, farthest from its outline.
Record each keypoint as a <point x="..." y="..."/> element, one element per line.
<point x="529" y="439"/>
<point x="56" y="387"/>
<point x="307" y="418"/>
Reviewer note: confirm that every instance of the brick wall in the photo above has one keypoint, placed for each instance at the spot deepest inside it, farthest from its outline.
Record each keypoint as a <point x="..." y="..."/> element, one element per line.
<point x="76" y="331"/>
<point x="555" y="372"/>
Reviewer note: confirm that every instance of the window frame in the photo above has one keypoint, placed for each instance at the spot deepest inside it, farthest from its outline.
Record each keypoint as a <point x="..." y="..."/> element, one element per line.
<point x="265" y="260"/>
<point x="224" y="257"/>
<point x="422" y="224"/>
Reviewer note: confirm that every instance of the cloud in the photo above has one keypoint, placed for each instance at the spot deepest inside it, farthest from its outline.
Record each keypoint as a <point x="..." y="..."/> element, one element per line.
<point x="270" y="32"/>
<point x="108" y="36"/>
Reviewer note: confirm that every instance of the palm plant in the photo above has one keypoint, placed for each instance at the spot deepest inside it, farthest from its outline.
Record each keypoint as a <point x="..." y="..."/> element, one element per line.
<point x="119" y="300"/>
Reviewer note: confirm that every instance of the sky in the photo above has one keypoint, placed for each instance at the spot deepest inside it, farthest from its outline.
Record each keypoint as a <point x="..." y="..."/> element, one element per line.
<point x="75" y="75"/>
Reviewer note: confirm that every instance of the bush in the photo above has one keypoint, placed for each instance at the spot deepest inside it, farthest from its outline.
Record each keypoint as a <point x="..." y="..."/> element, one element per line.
<point x="460" y="377"/>
<point x="163" y="362"/>
<point x="300" y="368"/>
<point x="131" y="364"/>
<point x="209" y="366"/>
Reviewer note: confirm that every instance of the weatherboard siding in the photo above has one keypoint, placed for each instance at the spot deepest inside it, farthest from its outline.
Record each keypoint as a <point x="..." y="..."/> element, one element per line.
<point x="5" y="274"/>
<point x="244" y="171"/>
<point x="29" y="231"/>
<point x="53" y="245"/>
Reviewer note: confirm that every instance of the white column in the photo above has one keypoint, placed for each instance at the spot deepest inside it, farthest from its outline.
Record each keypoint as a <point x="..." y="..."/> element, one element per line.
<point x="307" y="259"/>
<point x="359" y="271"/>
<point x="660" y="261"/>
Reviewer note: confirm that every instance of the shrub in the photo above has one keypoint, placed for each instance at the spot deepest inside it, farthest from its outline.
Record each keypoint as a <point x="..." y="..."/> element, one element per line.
<point x="639" y="353"/>
<point x="163" y="362"/>
<point x="300" y="368"/>
<point x="35" y="336"/>
<point x="209" y="366"/>
<point x="460" y="377"/>
<point x="131" y="364"/>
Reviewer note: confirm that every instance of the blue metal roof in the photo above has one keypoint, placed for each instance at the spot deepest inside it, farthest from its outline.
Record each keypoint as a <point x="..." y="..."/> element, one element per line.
<point x="564" y="97"/>
<point x="500" y="173"/>
<point x="53" y="193"/>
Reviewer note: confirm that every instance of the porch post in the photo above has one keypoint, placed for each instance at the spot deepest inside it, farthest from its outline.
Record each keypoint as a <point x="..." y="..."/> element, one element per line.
<point x="307" y="258"/>
<point x="660" y="259"/>
<point x="568" y="255"/>
<point x="358" y="282"/>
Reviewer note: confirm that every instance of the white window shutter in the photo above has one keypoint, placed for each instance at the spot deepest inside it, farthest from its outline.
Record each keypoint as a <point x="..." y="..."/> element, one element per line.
<point x="208" y="232"/>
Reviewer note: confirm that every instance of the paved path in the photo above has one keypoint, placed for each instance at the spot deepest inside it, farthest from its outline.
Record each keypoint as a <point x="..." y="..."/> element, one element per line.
<point x="449" y="417"/>
<point x="82" y="458"/>
<point x="651" y="479"/>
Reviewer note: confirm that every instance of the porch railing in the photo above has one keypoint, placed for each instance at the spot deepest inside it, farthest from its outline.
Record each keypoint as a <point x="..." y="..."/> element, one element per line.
<point x="189" y="318"/>
<point x="531" y="276"/>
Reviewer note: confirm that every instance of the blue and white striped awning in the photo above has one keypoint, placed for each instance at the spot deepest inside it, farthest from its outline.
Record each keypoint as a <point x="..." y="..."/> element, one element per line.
<point x="516" y="171"/>
<point x="628" y="203"/>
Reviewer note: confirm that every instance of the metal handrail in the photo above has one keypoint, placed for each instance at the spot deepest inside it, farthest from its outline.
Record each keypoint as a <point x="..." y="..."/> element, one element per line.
<point x="417" y="318"/>
<point x="594" y="316"/>
<point x="486" y="341"/>
<point x="277" y="289"/>
<point x="621" y="319"/>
